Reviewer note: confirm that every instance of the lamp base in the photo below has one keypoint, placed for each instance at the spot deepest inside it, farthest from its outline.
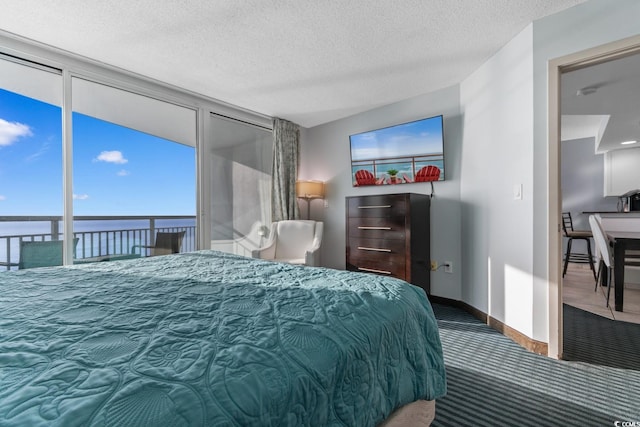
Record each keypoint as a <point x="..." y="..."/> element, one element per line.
<point x="308" y="207"/>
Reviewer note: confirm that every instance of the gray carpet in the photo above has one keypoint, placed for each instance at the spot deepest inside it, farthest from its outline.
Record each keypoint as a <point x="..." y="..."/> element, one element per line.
<point x="494" y="382"/>
<point x="600" y="341"/>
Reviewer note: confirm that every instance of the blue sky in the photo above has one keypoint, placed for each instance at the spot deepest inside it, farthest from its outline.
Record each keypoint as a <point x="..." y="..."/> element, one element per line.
<point x="409" y="139"/>
<point x="116" y="170"/>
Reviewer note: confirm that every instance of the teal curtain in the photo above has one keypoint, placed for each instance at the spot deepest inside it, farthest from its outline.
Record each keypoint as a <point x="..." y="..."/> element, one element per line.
<point x="286" y="137"/>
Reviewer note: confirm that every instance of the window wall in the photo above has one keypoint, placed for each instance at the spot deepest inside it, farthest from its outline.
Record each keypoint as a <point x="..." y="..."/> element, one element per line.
<point x="118" y="145"/>
<point x="134" y="177"/>
<point x="30" y="161"/>
<point x="240" y="180"/>
<point x="132" y="159"/>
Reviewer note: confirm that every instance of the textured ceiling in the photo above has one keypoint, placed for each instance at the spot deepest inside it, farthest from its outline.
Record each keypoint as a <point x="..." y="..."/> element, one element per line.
<point x="307" y="61"/>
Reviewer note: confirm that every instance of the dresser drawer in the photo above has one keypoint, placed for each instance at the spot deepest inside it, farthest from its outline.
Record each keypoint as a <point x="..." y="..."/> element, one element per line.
<point x="377" y="228"/>
<point x="377" y="207"/>
<point x="387" y="256"/>
<point x="385" y="266"/>
<point x="384" y="247"/>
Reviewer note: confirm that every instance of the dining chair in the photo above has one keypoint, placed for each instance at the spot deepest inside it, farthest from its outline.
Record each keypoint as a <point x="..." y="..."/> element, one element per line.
<point x="571" y="234"/>
<point x="604" y="251"/>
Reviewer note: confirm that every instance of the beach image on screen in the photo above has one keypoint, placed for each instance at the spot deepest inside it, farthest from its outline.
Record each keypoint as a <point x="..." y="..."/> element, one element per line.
<point x="405" y="153"/>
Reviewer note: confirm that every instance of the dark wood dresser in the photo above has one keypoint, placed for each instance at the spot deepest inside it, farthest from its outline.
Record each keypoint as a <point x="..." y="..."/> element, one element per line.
<point x="388" y="234"/>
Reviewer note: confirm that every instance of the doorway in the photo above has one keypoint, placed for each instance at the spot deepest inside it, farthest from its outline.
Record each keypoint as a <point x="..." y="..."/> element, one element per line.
<point x="557" y="69"/>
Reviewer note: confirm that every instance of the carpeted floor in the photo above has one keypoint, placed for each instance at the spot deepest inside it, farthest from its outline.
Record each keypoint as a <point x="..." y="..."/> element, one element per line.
<point x="494" y="382"/>
<point x="600" y="341"/>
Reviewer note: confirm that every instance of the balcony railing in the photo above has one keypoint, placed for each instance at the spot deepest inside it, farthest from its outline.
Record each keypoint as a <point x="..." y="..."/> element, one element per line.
<point x="406" y="164"/>
<point x="98" y="236"/>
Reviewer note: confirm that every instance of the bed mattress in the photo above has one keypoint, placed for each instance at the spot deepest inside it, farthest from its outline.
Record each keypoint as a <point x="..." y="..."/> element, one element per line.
<point x="208" y="338"/>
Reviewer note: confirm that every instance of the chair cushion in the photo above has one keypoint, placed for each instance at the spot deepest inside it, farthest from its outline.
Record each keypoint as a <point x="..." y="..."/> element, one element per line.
<point x="294" y="237"/>
<point x="579" y="234"/>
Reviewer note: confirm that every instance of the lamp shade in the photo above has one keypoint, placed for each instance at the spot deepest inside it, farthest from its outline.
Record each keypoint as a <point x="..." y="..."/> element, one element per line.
<point x="310" y="189"/>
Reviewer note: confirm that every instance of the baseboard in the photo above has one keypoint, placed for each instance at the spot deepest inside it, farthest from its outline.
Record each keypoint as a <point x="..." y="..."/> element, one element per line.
<point x="518" y="337"/>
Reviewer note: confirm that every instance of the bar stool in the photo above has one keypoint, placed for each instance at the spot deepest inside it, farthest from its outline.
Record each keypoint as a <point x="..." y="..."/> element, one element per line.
<point x="571" y="234"/>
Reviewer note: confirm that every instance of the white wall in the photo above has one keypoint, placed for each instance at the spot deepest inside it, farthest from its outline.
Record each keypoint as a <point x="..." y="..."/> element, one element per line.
<point x="496" y="135"/>
<point x="581" y="27"/>
<point x="325" y="155"/>
<point x="504" y="105"/>
<point x="582" y="181"/>
<point x="497" y="149"/>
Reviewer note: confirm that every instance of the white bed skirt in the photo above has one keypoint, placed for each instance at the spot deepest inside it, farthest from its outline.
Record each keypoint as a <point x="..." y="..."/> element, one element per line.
<point x="416" y="414"/>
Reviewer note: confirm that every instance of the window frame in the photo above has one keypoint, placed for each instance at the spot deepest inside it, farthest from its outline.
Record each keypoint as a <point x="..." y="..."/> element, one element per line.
<point x="75" y="66"/>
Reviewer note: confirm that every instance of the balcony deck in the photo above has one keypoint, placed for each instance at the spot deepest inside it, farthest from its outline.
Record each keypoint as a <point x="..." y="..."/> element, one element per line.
<point x="99" y="237"/>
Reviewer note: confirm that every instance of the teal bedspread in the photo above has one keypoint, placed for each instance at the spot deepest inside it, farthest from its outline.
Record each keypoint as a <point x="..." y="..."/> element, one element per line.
<point x="212" y="339"/>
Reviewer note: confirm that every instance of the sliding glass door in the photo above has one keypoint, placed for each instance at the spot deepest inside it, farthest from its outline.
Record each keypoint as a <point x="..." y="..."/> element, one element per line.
<point x="240" y="180"/>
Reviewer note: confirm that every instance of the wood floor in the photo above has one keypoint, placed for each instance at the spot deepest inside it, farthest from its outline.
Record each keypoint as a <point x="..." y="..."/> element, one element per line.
<point x="578" y="291"/>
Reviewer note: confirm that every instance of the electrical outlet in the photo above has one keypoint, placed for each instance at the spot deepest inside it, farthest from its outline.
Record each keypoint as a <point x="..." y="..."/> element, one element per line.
<point x="434" y="265"/>
<point x="448" y="267"/>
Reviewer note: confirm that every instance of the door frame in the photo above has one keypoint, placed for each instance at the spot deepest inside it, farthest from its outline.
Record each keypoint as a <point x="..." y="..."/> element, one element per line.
<point x="556" y="67"/>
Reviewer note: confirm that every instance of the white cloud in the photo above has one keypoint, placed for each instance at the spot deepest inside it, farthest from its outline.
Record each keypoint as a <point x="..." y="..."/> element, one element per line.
<point x="123" y="172"/>
<point x="111" y="157"/>
<point x="2" y="198"/>
<point x="10" y="132"/>
<point x="80" y="196"/>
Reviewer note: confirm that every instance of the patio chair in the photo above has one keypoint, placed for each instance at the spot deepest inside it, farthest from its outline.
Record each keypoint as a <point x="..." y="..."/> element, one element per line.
<point x="428" y="174"/>
<point x="364" y="177"/>
<point x="165" y="243"/>
<point x="46" y="253"/>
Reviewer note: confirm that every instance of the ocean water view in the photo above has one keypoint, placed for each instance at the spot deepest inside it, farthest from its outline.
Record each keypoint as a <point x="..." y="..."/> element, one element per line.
<point x="119" y="173"/>
<point x="402" y="168"/>
<point x="95" y="237"/>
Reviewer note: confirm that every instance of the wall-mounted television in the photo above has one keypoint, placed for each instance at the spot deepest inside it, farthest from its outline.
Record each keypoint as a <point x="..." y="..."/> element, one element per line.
<point x="400" y="154"/>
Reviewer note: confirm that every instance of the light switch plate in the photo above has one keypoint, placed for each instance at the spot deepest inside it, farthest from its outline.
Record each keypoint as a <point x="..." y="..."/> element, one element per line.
<point x="517" y="192"/>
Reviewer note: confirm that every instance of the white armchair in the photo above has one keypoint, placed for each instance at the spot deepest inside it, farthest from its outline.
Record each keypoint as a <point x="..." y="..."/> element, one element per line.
<point x="293" y="241"/>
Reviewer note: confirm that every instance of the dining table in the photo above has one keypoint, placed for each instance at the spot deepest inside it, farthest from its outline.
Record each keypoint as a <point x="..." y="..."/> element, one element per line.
<point x="622" y="241"/>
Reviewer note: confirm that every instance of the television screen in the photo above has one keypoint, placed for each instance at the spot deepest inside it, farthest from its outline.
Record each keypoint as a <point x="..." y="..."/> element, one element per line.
<point x="400" y="154"/>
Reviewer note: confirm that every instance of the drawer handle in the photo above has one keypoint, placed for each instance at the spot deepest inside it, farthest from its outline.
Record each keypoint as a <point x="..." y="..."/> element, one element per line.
<point x="374" y="207"/>
<point x="374" y="228"/>
<point x="371" y="270"/>
<point x="373" y="249"/>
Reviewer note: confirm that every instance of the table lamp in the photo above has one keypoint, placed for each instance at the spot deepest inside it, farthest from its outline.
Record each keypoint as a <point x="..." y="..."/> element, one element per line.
<point x="309" y="190"/>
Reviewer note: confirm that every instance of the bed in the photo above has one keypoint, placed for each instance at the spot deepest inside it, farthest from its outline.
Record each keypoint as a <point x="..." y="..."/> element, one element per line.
<point x="208" y="338"/>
